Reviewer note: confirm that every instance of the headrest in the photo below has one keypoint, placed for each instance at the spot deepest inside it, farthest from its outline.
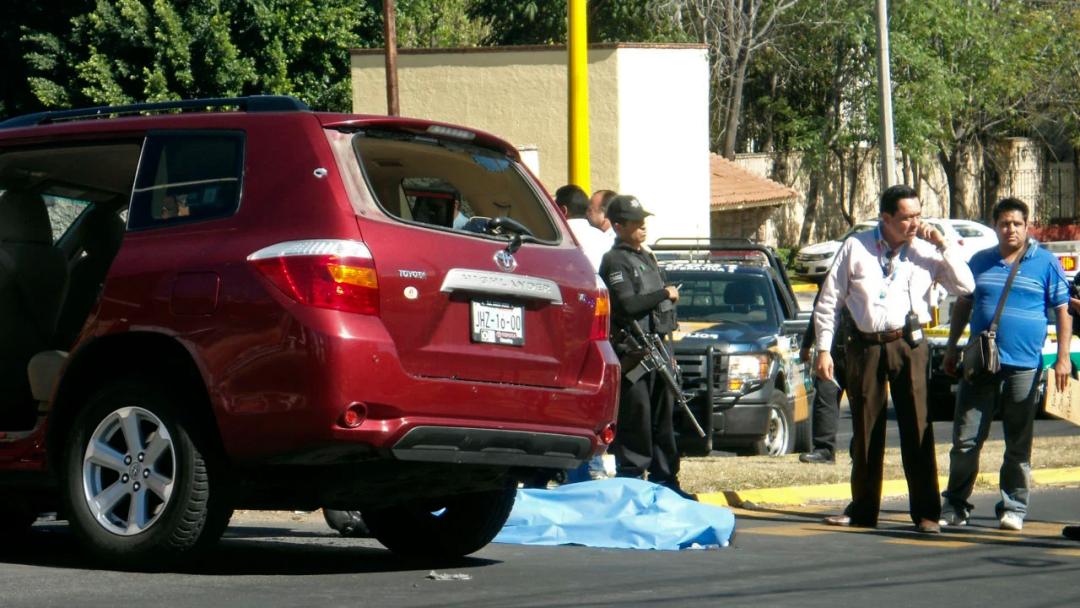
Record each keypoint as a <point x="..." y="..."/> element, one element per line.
<point x="24" y="218"/>
<point x="103" y="233"/>
<point x="738" y="293"/>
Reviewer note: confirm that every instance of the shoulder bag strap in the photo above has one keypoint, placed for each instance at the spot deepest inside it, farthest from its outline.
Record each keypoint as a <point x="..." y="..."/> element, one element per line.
<point x="1005" y="292"/>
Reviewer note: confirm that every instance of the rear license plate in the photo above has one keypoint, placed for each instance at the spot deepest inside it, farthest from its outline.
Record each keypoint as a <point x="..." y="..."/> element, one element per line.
<point x="498" y="323"/>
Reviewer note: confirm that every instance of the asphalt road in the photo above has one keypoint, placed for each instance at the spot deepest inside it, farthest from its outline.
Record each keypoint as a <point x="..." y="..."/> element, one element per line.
<point x="778" y="558"/>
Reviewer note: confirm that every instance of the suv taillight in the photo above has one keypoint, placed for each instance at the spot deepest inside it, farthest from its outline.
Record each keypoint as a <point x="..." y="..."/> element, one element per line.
<point x="325" y="273"/>
<point x="601" y="316"/>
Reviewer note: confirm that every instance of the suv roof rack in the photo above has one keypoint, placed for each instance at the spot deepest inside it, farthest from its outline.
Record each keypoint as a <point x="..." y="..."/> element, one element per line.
<point x="252" y="103"/>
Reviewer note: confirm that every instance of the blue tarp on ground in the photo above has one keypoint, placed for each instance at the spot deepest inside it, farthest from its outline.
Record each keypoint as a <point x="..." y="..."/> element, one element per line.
<point x="616" y="513"/>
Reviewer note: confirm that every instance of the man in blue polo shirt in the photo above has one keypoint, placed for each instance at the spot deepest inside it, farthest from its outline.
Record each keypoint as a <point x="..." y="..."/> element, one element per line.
<point x="1039" y="287"/>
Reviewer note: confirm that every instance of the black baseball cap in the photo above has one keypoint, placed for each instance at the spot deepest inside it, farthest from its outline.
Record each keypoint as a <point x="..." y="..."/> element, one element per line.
<point x="626" y="208"/>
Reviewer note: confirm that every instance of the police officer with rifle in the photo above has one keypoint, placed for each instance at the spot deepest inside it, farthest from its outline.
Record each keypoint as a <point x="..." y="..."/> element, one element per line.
<point x="645" y="437"/>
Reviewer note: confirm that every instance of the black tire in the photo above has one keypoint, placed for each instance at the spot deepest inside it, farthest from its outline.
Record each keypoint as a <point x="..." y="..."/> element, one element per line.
<point x="188" y="513"/>
<point x="467" y="524"/>
<point x="780" y="436"/>
<point x="349" y="524"/>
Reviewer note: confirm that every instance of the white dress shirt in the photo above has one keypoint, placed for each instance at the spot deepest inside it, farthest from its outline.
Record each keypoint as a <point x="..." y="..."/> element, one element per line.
<point x="879" y="290"/>
<point x="593" y="241"/>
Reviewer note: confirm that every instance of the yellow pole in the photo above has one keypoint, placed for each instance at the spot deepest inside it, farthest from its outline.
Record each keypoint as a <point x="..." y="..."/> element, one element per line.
<point x="579" y="94"/>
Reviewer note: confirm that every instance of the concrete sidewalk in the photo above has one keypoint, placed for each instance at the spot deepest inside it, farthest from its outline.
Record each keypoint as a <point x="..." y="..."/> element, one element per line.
<point x="798" y="495"/>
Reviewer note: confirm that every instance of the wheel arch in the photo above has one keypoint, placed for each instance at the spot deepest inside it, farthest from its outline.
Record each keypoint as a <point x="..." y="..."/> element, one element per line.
<point x="132" y="354"/>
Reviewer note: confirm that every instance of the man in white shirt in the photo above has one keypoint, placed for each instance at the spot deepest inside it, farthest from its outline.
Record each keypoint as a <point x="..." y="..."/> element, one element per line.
<point x="598" y="207"/>
<point x="575" y="205"/>
<point x="884" y="278"/>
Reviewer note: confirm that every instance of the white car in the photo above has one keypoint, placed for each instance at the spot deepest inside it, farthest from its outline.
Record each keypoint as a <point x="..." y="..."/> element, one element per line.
<point x="813" y="261"/>
<point x="972" y="236"/>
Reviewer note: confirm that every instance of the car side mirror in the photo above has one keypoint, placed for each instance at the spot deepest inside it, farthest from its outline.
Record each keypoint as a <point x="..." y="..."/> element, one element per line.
<point x="794" y="326"/>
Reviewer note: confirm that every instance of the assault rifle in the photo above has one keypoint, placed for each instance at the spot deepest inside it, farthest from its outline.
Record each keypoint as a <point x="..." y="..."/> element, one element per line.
<point x="657" y="358"/>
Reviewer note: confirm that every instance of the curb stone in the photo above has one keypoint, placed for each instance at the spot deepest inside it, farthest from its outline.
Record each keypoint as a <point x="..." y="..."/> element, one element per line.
<point x="798" y="495"/>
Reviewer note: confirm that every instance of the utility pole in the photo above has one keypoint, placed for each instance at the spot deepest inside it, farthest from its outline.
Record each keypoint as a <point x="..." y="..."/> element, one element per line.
<point x="888" y="148"/>
<point x="578" y="97"/>
<point x="390" y="35"/>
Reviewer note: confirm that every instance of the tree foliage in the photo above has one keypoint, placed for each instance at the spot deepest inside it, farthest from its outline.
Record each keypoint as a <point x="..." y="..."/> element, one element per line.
<point x="514" y="22"/>
<point x="120" y="51"/>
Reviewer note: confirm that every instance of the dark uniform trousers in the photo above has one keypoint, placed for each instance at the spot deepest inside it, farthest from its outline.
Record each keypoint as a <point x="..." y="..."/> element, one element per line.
<point x="645" y="440"/>
<point x="826" y="409"/>
<point x="869" y="367"/>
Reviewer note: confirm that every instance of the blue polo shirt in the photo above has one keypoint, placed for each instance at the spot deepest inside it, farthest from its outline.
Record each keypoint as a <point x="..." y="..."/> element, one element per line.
<point x="1039" y="287"/>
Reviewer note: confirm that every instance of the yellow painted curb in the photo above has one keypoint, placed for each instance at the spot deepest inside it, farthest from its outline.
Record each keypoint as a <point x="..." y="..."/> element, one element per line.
<point x="803" y="287"/>
<point x="797" y="495"/>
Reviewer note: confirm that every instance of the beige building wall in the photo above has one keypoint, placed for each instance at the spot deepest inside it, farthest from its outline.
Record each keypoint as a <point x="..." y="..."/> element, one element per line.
<point x="648" y="114"/>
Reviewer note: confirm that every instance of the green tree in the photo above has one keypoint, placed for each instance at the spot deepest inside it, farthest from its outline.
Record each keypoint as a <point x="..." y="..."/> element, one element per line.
<point x="967" y="73"/>
<point x="437" y="23"/>
<point x="120" y="51"/>
<point x="544" y="21"/>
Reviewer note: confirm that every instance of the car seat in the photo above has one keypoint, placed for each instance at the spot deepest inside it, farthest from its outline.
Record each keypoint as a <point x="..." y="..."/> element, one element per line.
<point x="33" y="280"/>
<point x="741" y="296"/>
<point x="101" y="232"/>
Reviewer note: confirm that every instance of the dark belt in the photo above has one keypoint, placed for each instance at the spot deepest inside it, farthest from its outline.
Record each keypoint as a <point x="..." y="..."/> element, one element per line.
<point x="881" y="337"/>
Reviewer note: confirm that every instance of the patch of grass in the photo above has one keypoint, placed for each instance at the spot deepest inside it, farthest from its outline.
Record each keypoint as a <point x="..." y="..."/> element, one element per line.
<point x="700" y="475"/>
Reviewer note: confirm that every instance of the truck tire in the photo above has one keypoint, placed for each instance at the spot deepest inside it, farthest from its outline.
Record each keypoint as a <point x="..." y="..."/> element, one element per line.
<point x="779" y="438"/>
<point x="140" y="486"/>
<point x="449" y="527"/>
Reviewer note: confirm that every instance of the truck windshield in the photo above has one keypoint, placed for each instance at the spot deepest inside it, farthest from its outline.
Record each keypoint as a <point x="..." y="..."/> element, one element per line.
<point x="719" y="297"/>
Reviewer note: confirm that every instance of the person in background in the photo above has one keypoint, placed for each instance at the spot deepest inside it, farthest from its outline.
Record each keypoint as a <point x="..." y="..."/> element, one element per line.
<point x="884" y="278"/>
<point x="597" y="215"/>
<point x="575" y="206"/>
<point x="1039" y="284"/>
<point x="827" y="394"/>
<point x="645" y="436"/>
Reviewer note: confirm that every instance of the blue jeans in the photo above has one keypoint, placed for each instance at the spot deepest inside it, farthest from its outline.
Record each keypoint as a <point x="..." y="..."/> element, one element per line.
<point x="1011" y="391"/>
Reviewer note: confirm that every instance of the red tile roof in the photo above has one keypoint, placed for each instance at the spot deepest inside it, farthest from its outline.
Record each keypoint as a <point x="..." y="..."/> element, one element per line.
<point x="733" y="187"/>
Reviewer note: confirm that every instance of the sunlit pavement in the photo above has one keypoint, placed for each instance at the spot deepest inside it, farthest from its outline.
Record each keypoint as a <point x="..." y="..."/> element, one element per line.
<point x="779" y="557"/>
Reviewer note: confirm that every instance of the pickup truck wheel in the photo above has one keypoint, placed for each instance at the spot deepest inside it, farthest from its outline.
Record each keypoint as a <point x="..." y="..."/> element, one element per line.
<point x="139" y="487"/>
<point x="779" y="438"/>
<point x="450" y="527"/>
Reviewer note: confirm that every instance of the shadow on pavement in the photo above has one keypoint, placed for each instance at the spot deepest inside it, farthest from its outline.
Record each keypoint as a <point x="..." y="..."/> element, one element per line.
<point x="244" y="551"/>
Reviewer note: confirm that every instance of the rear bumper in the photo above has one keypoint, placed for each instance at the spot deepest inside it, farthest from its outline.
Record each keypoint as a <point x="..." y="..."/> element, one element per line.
<point x="462" y="445"/>
<point x="409" y="418"/>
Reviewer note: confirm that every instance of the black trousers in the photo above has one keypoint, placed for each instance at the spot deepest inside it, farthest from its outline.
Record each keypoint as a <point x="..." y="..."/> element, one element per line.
<point x="869" y="368"/>
<point x="645" y="438"/>
<point x="826" y="408"/>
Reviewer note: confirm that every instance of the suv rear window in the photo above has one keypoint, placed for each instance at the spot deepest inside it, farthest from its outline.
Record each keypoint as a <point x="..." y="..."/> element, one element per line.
<point x="186" y="177"/>
<point x="447" y="185"/>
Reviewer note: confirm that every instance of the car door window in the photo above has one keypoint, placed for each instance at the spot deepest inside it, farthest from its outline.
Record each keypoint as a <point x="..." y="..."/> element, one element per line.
<point x="187" y="177"/>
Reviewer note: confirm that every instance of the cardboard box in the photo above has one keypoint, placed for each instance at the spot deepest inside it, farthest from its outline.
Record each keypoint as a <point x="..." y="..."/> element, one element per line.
<point x="1063" y="404"/>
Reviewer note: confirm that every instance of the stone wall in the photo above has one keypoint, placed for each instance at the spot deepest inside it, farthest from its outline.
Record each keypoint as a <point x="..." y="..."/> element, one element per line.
<point x="753" y="223"/>
<point x="786" y="222"/>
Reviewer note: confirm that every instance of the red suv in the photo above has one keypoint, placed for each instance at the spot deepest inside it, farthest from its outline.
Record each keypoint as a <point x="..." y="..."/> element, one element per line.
<point x="240" y="303"/>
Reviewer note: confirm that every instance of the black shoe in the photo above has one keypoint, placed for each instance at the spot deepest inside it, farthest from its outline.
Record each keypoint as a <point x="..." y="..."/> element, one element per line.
<point x="1071" y="532"/>
<point x="817" y="457"/>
